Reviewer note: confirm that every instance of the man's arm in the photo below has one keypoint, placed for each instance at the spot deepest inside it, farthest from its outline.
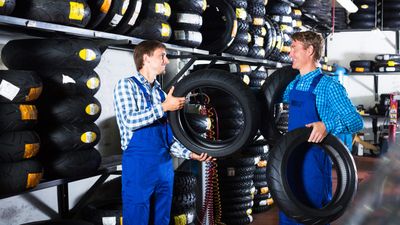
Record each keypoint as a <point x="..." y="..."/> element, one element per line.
<point x="180" y="151"/>
<point x="126" y="95"/>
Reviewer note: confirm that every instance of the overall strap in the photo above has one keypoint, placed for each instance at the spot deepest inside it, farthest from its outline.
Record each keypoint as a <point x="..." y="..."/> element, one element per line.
<point x="315" y="82"/>
<point x="143" y="89"/>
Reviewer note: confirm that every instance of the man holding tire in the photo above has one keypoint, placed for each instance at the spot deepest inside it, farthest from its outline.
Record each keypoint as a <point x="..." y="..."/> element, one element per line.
<point x="146" y="138"/>
<point x="321" y="103"/>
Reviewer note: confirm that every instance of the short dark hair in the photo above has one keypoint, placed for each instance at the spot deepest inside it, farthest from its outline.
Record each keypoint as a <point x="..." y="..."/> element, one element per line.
<point x="310" y="38"/>
<point x="145" y="48"/>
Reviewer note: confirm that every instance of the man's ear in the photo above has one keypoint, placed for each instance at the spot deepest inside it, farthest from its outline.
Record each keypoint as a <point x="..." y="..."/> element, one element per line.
<point x="310" y="50"/>
<point x="145" y="58"/>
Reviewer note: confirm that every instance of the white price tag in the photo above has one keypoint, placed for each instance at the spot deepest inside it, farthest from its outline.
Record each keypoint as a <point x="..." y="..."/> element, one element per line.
<point x="8" y="90"/>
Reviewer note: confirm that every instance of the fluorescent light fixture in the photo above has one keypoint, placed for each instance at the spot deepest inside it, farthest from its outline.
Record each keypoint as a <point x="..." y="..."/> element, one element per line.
<point x="348" y="5"/>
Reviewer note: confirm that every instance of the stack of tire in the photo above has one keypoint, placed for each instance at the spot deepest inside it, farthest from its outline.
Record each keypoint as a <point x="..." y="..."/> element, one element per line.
<point x="387" y="63"/>
<point x="256" y="10"/>
<point x="340" y="18"/>
<point x="152" y="23"/>
<point x="262" y="198"/>
<point x="296" y="22"/>
<point x="361" y="66"/>
<point x="325" y="13"/>
<point x="391" y="15"/>
<point x="67" y="107"/>
<point x="237" y="189"/>
<point x="279" y="19"/>
<point x="257" y="77"/>
<point x="186" y="21"/>
<point x="365" y="17"/>
<point x="66" y="12"/>
<point x="19" y="142"/>
<point x="242" y="39"/>
<point x="183" y="209"/>
<point x="7" y="7"/>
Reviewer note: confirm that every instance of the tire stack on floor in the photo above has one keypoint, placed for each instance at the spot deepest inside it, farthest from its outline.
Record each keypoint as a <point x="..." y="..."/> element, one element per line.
<point x="262" y="198"/>
<point x="183" y="209"/>
<point x="391" y="14"/>
<point x="186" y="22"/>
<point x="256" y="10"/>
<point x="19" y="142"/>
<point x="67" y="108"/>
<point x="152" y="23"/>
<point x="279" y="19"/>
<point x="387" y="63"/>
<point x="365" y="17"/>
<point x="237" y="189"/>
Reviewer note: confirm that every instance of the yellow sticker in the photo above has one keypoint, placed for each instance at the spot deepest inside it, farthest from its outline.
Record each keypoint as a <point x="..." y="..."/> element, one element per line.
<point x="76" y="11"/>
<point x="88" y="137"/>
<point x="33" y="179"/>
<point x="180" y="220"/>
<point x="262" y="163"/>
<point x="264" y="190"/>
<point x="258" y="21"/>
<point x="299" y="23"/>
<point x="2" y="3"/>
<point x="31" y="150"/>
<point x="234" y="29"/>
<point x="105" y="6"/>
<point x="364" y="6"/>
<point x="163" y="8"/>
<point x="283" y="27"/>
<point x="120" y="221"/>
<point x="204" y="5"/>
<point x="297" y="12"/>
<point x="28" y="112"/>
<point x="165" y="30"/>
<point x="270" y="201"/>
<point x="249" y="211"/>
<point x="263" y="31"/>
<point x="125" y="5"/>
<point x="87" y="54"/>
<point x="93" y="83"/>
<point x="359" y="69"/>
<point x="246" y="79"/>
<point x="33" y="94"/>
<point x="241" y="13"/>
<point x="244" y="68"/>
<point x="167" y="9"/>
<point x="391" y="63"/>
<point x="248" y="37"/>
<point x="92" y="109"/>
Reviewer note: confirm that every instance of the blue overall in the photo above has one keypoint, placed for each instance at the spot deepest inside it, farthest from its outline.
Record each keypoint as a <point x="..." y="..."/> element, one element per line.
<point x="309" y="172"/>
<point x="147" y="172"/>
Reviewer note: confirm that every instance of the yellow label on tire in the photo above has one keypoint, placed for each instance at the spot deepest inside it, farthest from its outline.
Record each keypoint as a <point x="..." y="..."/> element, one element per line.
<point x="263" y="31"/>
<point x="31" y="150"/>
<point x="92" y="109"/>
<point x="204" y="5"/>
<point x="259" y="41"/>
<point x="286" y="49"/>
<point x="93" y="83"/>
<point x="167" y="9"/>
<point x="244" y="68"/>
<point x="33" y="180"/>
<point x="246" y="79"/>
<point x="125" y="5"/>
<point x="297" y="12"/>
<point x="87" y="54"/>
<point x="28" y="112"/>
<point x="165" y="30"/>
<point x="163" y="8"/>
<point x="262" y="163"/>
<point x="234" y="29"/>
<point x="391" y="63"/>
<point x="180" y="220"/>
<point x="33" y="94"/>
<point x="105" y="6"/>
<point x="76" y="11"/>
<point x="88" y="137"/>
<point x="264" y="190"/>
<point x="258" y="21"/>
<point x="2" y="3"/>
<point x="359" y="69"/>
<point x="241" y="13"/>
<point x="120" y="221"/>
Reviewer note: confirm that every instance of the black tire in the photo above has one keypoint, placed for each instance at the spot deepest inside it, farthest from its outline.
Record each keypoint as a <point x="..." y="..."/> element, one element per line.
<point x="236" y="193"/>
<point x="259" y="74"/>
<point x="156" y="9"/>
<point x="8" y="7"/>
<point x="230" y="123"/>
<point x="75" y="164"/>
<point x="237" y="207"/>
<point x="114" y="15"/>
<point x="282" y="192"/>
<point x="391" y="23"/>
<point x="391" y="15"/>
<point x="362" y="17"/>
<point x="97" y="210"/>
<point x="256" y="10"/>
<point x="385" y="57"/>
<point x="29" y="85"/>
<point x="69" y="137"/>
<point x="194" y="6"/>
<point x="242" y="38"/>
<point x="258" y="30"/>
<point x="16" y="117"/>
<point x="243" y="26"/>
<point x="259" y="209"/>
<point x="238" y="49"/>
<point x="67" y="82"/>
<point x="36" y="54"/>
<point x="279" y="8"/>
<point x="362" y="63"/>
<point x="84" y="109"/>
<point x="270" y="38"/>
<point x="362" y="25"/>
<point x="237" y="179"/>
<point x="152" y="30"/>
<point x="237" y="185"/>
<point x="130" y="17"/>
<point x="261" y="170"/>
<point x="240" y="213"/>
<point x="238" y="221"/>
<point x="189" y="38"/>
<point x="256" y="52"/>
<point x="232" y="171"/>
<point x="184" y="182"/>
<point x="272" y="90"/>
<point x="219" y="26"/>
<point x="186" y="21"/>
<point x="183" y="203"/>
<point x="59" y="222"/>
<point x="238" y="162"/>
<point x="75" y="13"/>
<point x="236" y="200"/>
<point x="238" y="3"/>
<point x="222" y="81"/>
<point x="257" y="148"/>
<point x="19" y="145"/>
<point x="99" y="10"/>
<point x="19" y="176"/>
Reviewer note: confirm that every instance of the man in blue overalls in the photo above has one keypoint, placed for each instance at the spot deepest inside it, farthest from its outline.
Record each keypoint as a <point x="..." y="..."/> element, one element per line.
<point x="317" y="101"/>
<point x="147" y="139"/>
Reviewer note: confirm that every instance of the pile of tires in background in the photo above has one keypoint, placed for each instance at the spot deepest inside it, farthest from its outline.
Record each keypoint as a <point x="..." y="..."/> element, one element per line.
<point x="66" y="109"/>
<point x="382" y="63"/>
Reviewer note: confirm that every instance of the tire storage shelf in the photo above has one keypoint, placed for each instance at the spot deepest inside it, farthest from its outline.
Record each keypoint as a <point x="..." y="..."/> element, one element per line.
<point x="110" y="165"/>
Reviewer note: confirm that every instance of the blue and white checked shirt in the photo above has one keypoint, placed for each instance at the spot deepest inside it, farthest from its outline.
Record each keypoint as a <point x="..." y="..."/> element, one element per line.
<point x="132" y="111"/>
<point x="333" y="105"/>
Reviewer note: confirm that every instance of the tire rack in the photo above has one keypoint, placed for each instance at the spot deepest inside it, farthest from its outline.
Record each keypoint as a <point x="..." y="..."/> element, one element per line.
<point x="110" y="166"/>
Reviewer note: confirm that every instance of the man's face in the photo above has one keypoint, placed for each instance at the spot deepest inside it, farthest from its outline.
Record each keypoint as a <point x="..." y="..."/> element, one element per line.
<point x="300" y="55"/>
<point x="158" y="61"/>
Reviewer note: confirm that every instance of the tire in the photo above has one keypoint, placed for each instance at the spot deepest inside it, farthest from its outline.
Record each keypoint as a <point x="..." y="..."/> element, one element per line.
<point x="391" y="15"/>
<point x="362" y="17"/>
<point x="156" y="9"/>
<point x="242" y="38"/>
<point x="188" y="38"/>
<point x="272" y="90"/>
<point x="130" y="17"/>
<point x="270" y="38"/>
<point x="279" y="8"/>
<point x="240" y="213"/>
<point x="28" y="83"/>
<point x="19" y="145"/>
<point x="97" y="211"/>
<point x="236" y="200"/>
<point x="257" y="148"/>
<point x="66" y="12"/>
<point x="69" y="137"/>
<point x="36" y="54"/>
<point x="237" y="179"/>
<point x="258" y="30"/>
<point x="152" y="30"/>
<point x="186" y="21"/>
<point x="8" y="7"/>
<point x="99" y="10"/>
<point x="193" y="6"/>
<point x="259" y="74"/>
<point x="256" y="52"/>
<point x="362" y="25"/>
<point x="238" y="221"/>
<point x="238" y="49"/>
<point x="236" y="193"/>
<point x="114" y="15"/>
<point x="75" y="164"/>
<point x="391" y="24"/>
<point x="256" y="10"/>
<point x="19" y="176"/>
<point x="282" y="192"/>
<point x="235" y="171"/>
<point x="67" y="82"/>
<point x="386" y="57"/>
<point x="184" y="182"/>
<point x="238" y="3"/>
<point x="183" y="203"/>
<point x="388" y="69"/>
<point x="221" y="81"/>
<point x="59" y="222"/>
<point x="362" y="63"/>
<point x="219" y="26"/>
<point x="16" y="117"/>
<point x="259" y="209"/>
<point x="243" y="26"/>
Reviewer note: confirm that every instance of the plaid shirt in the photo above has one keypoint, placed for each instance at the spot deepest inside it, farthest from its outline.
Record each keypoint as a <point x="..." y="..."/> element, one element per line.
<point x="333" y="105"/>
<point x="132" y="111"/>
